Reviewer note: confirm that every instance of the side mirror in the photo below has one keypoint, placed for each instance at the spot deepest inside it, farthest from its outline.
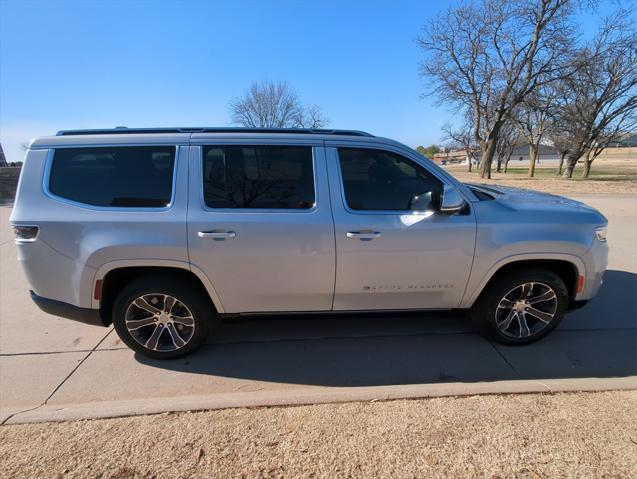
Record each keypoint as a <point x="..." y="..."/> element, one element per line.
<point x="451" y="201"/>
<point x="423" y="202"/>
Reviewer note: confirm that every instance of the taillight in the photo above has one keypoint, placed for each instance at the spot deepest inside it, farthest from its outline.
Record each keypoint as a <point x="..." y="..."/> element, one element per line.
<point x="26" y="234"/>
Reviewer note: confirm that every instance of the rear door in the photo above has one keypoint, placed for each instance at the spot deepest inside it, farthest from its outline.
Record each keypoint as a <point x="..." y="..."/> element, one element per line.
<point x="260" y="225"/>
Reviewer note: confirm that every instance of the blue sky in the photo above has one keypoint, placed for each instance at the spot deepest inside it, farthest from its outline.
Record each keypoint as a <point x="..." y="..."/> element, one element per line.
<point x="91" y="64"/>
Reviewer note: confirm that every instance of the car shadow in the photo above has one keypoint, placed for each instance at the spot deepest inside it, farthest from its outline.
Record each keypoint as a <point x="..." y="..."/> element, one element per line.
<point x="599" y="340"/>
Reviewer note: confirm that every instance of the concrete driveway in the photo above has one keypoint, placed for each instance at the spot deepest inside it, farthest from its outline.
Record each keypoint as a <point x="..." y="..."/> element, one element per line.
<point x="55" y="369"/>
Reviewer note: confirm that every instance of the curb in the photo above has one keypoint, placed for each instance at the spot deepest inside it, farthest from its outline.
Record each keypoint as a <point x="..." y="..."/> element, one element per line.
<point x="124" y="408"/>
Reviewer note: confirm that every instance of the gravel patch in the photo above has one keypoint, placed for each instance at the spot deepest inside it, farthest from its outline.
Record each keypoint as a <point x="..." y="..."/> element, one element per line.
<point x="515" y="436"/>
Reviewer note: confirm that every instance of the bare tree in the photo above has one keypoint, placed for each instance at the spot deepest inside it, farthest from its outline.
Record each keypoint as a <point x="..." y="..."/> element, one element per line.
<point x="558" y="131"/>
<point x="562" y="147"/>
<point x="600" y="100"/>
<point x="311" y="117"/>
<point x="533" y="118"/>
<point x="508" y="139"/>
<point x="274" y="105"/>
<point x="463" y="137"/>
<point x="487" y="57"/>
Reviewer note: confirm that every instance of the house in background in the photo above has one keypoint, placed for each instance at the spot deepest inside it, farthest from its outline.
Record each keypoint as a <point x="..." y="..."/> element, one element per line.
<point x="628" y="140"/>
<point x="546" y="154"/>
<point x="453" y="157"/>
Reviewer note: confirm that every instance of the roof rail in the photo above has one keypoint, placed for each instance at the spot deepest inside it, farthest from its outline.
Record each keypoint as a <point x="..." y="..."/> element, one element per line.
<point x="120" y="130"/>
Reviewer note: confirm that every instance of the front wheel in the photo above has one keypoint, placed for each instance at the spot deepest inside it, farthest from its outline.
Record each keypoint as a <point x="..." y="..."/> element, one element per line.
<point x="161" y="318"/>
<point x="521" y="307"/>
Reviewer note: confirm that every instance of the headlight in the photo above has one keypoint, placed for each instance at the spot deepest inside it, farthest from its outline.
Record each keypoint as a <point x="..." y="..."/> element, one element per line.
<point x="600" y="233"/>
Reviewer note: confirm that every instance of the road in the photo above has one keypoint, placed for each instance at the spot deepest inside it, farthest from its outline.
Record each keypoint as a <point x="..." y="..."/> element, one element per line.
<point x="55" y="369"/>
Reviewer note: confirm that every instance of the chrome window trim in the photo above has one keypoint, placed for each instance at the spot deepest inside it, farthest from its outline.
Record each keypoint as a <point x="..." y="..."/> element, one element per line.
<point x="100" y="141"/>
<point x="207" y="208"/>
<point x="347" y="208"/>
<point x="47" y="173"/>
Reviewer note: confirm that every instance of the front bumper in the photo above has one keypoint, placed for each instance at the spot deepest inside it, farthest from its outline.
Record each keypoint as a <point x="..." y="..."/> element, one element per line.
<point x="596" y="261"/>
<point x="68" y="311"/>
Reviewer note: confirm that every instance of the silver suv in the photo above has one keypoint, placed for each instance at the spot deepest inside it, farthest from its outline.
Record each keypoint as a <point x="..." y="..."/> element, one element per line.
<point x="161" y="231"/>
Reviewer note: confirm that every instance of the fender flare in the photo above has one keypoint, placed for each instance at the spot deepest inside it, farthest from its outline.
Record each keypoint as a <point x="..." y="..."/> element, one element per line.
<point x="106" y="268"/>
<point x="470" y="296"/>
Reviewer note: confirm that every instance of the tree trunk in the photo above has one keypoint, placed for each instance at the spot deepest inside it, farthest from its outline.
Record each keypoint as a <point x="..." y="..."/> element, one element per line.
<point x="587" y="168"/>
<point x="488" y="150"/>
<point x="587" y="164"/>
<point x="488" y="147"/>
<point x="506" y="163"/>
<point x="561" y="165"/>
<point x="469" y="161"/>
<point x="499" y="165"/>
<point x="571" y="161"/>
<point x="532" y="159"/>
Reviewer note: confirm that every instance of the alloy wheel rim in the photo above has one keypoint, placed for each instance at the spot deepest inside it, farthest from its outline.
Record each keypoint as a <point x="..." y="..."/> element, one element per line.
<point x="160" y="322"/>
<point x="526" y="310"/>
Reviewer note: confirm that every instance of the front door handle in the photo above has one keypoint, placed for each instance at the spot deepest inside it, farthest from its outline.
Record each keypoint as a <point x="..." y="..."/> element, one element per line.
<point x="217" y="235"/>
<point x="363" y="235"/>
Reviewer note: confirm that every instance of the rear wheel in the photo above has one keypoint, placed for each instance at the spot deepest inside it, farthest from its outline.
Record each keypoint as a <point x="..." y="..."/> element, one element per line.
<point x="160" y="318"/>
<point x="521" y="307"/>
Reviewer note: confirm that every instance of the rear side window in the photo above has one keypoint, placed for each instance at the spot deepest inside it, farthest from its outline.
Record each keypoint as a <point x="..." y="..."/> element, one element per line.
<point x="258" y="177"/>
<point x="140" y="176"/>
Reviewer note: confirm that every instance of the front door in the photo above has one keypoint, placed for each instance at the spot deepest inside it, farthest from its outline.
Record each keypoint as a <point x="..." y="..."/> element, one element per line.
<point x="393" y="250"/>
<point x="260" y="226"/>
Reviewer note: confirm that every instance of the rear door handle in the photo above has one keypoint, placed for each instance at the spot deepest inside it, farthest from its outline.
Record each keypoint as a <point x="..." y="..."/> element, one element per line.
<point x="363" y="236"/>
<point x="219" y="235"/>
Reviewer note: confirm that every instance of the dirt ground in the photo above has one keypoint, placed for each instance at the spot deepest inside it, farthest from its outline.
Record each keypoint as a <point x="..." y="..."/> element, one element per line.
<point x="607" y="177"/>
<point x="516" y="436"/>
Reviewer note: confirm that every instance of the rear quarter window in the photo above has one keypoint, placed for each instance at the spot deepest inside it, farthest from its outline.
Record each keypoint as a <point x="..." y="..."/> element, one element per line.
<point x="140" y="176"/>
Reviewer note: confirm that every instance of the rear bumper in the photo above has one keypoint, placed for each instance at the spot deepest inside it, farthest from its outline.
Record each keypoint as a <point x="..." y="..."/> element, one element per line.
<point x="68" y="311"/>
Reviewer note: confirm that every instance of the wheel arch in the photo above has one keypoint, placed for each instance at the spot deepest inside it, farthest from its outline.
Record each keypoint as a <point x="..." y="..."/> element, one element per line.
<point x="112" y="277"/>
<point x="569" y="268"/>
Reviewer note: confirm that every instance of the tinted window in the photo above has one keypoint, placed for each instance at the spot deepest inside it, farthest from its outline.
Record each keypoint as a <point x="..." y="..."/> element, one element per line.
<point x="382" y="180"/>
<point x="114" y="176"/>
<point x="258" y="177"/>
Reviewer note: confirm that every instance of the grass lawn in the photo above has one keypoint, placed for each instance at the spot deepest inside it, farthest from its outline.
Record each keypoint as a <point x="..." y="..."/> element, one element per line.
<point x="604" y="172"/>
<point x="607" y="177"/>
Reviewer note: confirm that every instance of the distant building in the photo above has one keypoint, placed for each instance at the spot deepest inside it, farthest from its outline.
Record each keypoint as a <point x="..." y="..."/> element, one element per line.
<point x="626" y="148"/>
<point x="520" y="155"/>
<point x="451" y="157"/>
<point x="629" y="140"/>
<point x="546" y="153"/>
<point x="3" y="159"/>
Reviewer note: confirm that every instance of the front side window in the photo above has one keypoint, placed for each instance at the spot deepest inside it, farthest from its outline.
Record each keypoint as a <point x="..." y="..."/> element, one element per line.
<point x="383" y="180"/>
<point x="139" y="176"/>
<point x="269" y="177"/>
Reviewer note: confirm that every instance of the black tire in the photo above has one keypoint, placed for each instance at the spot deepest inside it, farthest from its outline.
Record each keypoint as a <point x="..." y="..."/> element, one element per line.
<point x="190" y="303"/>
<point x="492" y="308"/>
